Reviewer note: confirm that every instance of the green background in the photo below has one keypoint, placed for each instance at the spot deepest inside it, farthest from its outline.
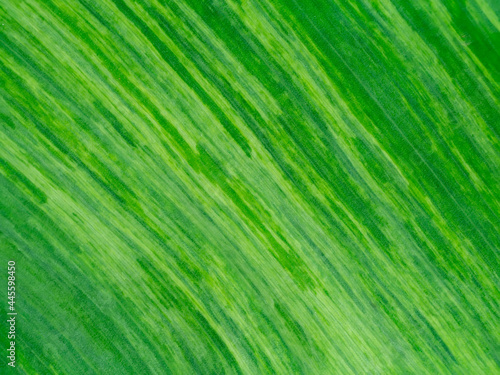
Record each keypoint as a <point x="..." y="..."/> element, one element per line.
<point x="251" y="186"/>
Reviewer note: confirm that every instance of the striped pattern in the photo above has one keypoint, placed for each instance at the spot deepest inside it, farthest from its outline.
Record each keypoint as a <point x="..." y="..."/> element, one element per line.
<point x="252" y="186"/>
